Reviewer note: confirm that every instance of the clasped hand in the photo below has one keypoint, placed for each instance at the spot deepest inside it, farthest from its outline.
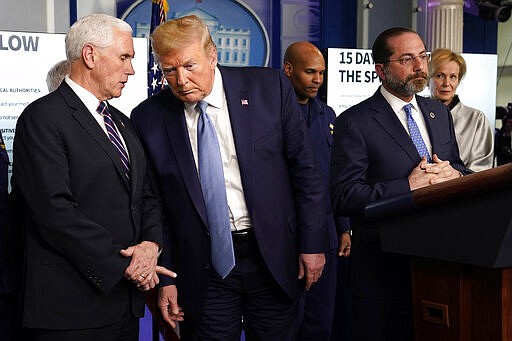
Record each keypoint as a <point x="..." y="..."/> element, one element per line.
<point x="143" y="269"/>
<point x="426" y="174"/>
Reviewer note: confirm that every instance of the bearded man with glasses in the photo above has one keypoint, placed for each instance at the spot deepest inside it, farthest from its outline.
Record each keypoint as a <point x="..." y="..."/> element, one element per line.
<point x="390" y="144"/>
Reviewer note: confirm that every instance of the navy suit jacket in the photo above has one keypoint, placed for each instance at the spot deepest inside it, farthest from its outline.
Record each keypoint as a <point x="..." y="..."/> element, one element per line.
<point x="80" y="211"/>
<point x="373" y="153"/>
<point x="372" y="157"/>
<point x="320" y="120"/>
<point x="282" y="185"/>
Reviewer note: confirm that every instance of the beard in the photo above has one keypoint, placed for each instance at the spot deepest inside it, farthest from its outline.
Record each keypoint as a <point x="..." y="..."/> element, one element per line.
<point x="408" y="87"/>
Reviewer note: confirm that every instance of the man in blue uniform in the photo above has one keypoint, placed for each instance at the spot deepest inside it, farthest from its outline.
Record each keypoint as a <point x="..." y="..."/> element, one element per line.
<point x="304" y="66"/>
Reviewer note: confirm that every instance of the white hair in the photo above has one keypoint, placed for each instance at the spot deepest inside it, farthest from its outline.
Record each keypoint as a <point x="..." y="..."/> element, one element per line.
<point x="57" y="73"/>
<point x="95" y="29"/>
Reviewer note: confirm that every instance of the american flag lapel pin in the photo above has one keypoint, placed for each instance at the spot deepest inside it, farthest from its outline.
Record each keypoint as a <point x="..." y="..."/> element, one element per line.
<point x="244" y="102"/>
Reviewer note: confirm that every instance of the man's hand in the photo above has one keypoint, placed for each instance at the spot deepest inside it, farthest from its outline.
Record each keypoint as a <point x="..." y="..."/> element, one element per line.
<point x="426" y="174"/>
<point x="143" y="269"/>
<point x="310" y="267"/>
<point x="345" y="244"/>
<point x="168" y="304"/>
<point x="442" y="169"/>
<point x="418" y="178"/>
<point x="148" y="284"/>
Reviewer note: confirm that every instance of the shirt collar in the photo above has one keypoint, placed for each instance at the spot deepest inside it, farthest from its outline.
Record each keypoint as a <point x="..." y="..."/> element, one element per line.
<point x="454" y="102"/>
<point x="217" y="95"/>
<point x="89" y="100"/>
<point x="396" y="103"/>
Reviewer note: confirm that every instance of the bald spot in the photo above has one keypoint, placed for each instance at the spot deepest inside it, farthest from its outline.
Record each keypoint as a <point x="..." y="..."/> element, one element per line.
<point x="301" y="51"/>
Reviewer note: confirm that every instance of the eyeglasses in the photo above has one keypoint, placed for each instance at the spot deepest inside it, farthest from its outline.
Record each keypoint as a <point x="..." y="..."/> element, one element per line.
<point x="407" y="60"/>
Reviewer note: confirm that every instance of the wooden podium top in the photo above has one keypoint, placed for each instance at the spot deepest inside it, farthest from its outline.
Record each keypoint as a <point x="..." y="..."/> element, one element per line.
<point x="463" y="187"/>
<point x="471" y="185"/>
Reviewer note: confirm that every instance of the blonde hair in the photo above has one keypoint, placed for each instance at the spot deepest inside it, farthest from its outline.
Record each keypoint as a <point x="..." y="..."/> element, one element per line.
<point x="177" y="33"/>
<point x="441" y="56"/>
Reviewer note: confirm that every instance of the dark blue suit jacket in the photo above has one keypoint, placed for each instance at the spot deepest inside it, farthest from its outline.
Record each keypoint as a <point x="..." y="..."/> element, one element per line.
<point x="372" y="158"/>
<point x="282" y="185"/>
<point x="374" y="154"/>
<point x="320" y="120"/>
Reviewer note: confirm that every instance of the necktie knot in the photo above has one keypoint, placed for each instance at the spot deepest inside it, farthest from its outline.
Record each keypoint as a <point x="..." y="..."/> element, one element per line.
<point x="408" y="109"/>
<point x="202" y="105"/>
<point x="102" y="109"/>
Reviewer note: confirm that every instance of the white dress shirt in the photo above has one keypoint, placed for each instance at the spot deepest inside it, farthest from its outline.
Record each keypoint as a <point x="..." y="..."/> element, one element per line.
<point x="219" y="115"/>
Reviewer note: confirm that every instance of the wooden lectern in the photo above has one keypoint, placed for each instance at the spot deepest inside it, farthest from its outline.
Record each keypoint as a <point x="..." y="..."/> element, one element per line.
<point x="459" y="234"/>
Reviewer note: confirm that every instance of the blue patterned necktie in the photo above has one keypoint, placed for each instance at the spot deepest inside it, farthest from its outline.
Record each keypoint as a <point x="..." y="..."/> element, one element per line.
<point x="114" y="137"/>
<point x="415" y="133"/>
<point x="213" y="187"/>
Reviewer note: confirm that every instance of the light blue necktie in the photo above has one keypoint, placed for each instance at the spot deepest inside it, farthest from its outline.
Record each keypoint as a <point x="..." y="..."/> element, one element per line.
<point x="415" y="133"/>
<point x="213" y="186"/>
<point x="114" y="137"/>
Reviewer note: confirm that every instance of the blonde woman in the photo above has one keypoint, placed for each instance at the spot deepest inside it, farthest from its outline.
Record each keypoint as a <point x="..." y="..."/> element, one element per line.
<point x="474" y="135"/>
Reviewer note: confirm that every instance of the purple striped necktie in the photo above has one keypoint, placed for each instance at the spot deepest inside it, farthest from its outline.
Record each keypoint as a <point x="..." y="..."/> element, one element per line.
<point x="114" y="137"/>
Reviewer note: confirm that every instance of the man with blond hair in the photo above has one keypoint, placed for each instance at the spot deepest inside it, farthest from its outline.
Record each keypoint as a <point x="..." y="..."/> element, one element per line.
<point x="242" y="194"/>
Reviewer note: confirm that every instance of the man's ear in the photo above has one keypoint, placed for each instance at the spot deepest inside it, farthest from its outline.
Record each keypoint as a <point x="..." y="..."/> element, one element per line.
<point x="288" y="69"/>
<point x="213" y="57"/>
<point x="89" y="55"/>
<point x="379" y="68"/>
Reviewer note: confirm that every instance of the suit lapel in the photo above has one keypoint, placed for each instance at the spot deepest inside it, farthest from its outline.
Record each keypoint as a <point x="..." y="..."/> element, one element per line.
<point x="388" y="120"/>
<point x="241" y="114"/>
<point x="430" y="120"/>
<point x="177" y="133"/>
<point x="89" y="124"/>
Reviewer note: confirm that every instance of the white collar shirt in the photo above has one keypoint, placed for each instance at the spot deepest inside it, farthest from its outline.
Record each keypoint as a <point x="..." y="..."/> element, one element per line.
<point x="218" y="112"/>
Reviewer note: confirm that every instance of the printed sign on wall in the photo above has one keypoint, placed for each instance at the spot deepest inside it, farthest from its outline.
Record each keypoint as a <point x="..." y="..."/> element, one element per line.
<point x="351" y="78"/>
<point x="27" y="57"/>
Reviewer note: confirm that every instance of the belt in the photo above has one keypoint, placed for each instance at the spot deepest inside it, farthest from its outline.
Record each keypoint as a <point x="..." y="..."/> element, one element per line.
<point x="242" y="235"/>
